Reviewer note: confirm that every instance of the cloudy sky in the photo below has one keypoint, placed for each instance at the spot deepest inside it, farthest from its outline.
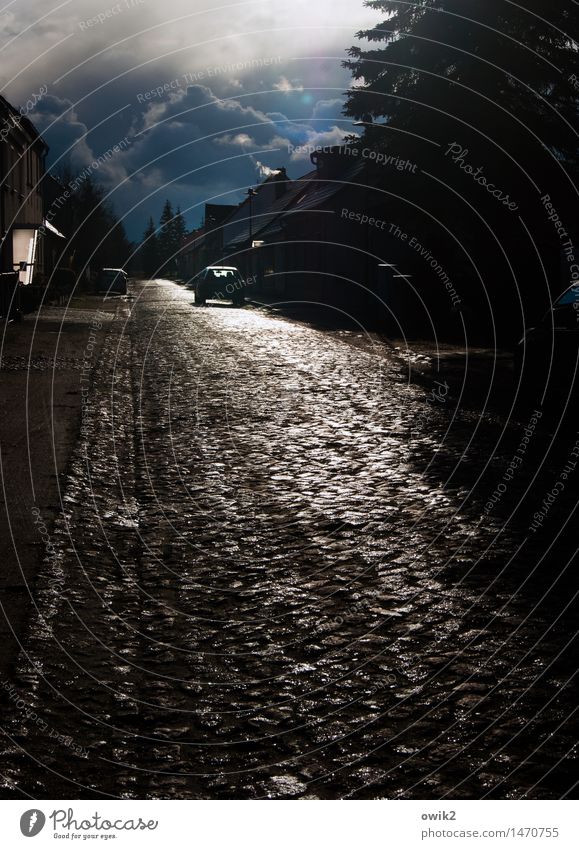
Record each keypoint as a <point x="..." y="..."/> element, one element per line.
<point x="204" y="97"/>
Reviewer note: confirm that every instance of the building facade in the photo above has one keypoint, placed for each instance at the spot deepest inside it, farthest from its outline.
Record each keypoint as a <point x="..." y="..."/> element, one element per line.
<point x="22" y="168"/>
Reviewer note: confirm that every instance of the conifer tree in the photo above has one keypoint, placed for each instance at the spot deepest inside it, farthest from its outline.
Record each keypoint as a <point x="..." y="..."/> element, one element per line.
<point x="179" y="233"/>
<point x="475" y="60"/>
<point x="483" y="96"/>
<point x="149" y="250"/>
<point x="165" y="239"/>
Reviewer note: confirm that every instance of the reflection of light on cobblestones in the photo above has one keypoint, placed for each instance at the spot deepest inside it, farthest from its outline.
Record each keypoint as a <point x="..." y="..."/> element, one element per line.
<point x="270" y="589"/>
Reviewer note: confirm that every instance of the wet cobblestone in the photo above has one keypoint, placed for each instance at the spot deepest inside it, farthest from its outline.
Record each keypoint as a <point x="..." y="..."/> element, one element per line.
<point x="272" y="579"/>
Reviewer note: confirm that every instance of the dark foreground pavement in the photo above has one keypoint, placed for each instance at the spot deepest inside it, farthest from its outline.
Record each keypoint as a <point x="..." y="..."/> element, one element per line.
<point x="41" y="379"/>
<point x="276" y="574"/>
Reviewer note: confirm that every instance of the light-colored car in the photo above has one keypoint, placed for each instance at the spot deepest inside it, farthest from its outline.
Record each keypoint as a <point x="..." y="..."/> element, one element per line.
<point x="220" y="283"/>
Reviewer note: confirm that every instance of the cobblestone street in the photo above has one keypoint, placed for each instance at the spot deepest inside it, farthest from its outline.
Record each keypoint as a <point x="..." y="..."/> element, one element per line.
<point x="273" y="576"/>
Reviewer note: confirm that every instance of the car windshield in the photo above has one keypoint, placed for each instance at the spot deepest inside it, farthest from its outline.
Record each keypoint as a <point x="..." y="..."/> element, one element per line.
<point x="571" y="296"/>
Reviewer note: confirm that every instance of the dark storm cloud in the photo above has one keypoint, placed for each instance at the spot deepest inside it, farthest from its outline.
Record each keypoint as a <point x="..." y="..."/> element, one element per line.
<point x="62" y="130"/>
<point x="191" y="146"/>
<point x="265" y="74"/>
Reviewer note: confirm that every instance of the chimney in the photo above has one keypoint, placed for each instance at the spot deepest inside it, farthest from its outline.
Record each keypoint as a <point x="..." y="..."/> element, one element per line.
<point x="333" y="160"/>
<point x="281" y="181"/>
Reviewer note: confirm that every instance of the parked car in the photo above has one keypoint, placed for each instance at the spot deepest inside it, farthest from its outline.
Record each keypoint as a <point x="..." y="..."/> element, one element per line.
<point x="220" y="283"/>
<point x="113" y="281"/>
<point x="547" y="357"/>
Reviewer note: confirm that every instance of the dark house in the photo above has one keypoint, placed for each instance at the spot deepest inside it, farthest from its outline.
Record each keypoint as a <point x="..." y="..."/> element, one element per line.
<point x="323" y="240"/>
<point x="331" y="239"/>
<point x="192" y="254"/>
<point x="202" y="245"/>
<point x="22" y="167"/>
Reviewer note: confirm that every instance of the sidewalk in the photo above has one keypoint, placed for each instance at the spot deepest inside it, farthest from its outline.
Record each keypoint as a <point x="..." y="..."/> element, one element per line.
<point x="41" y="366"/>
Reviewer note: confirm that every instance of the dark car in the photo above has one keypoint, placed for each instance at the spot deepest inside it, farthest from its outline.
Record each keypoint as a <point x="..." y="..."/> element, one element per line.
<point x="547" y="357"/>
<point x="112" y="281"/>
<point x="219" y="283"/>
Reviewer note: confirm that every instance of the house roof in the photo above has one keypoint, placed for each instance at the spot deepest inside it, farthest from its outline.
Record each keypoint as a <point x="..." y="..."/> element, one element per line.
<point x="193" y="237"/>
<point x="320" y="190"/>
<point x="24" y="122"/>
<point x="259" y="222"/>
<point x="309" y="192"/>
<point x="306" y="193"/>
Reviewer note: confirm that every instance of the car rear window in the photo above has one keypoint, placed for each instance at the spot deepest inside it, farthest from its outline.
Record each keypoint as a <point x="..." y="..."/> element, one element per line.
<point x="220" y="273"/>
